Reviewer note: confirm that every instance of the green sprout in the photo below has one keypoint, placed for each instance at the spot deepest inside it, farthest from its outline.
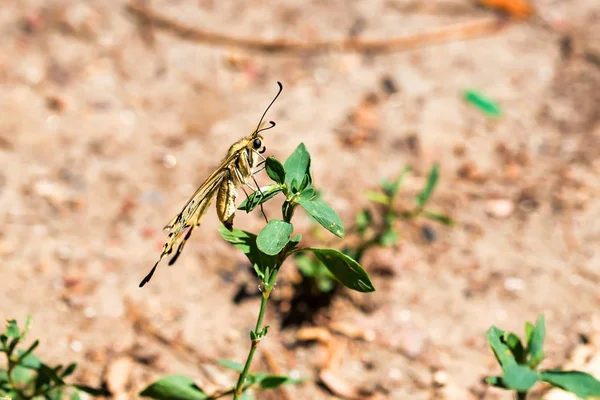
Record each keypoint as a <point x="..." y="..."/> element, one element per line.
<point x="379" y="229"/>
<point x="26" y="377"/>
<point x="520" y="360"/>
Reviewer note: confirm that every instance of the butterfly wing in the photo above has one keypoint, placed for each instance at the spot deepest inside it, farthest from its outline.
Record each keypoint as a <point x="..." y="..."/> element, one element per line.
<point x="191" y="214"/>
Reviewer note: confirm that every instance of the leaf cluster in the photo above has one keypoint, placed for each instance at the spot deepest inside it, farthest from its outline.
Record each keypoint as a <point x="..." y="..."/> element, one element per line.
<point x="26" y="377"/>
<point x="294" y="180"/>
<point x="377" y="225"/>
<point x="520" y="360"/>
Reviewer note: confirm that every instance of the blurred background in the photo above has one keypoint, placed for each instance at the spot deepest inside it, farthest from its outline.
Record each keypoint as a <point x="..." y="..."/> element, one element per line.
<point x="113" y="112"/>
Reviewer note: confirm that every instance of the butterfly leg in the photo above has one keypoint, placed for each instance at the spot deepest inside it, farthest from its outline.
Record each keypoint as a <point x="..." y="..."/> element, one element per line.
<point x="262" y="210"/>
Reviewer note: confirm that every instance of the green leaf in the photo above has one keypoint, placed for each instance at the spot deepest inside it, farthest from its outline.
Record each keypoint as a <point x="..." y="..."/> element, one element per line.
<point x="363" y="220"/>
<point x="391" y="188"/>
<point x="324" y="215"/>
<point x="69" y="370"/>
<point x="313" y="268"/>
<point x="483" y="103"/>
<point x="438" y="218"/>
<point x="519" y="378"/>
<point x="344" y="268"/>
<point x="275" y="169"/>
<point x="55" y="394"/>
<point x="30" y="349"/>
<point x="247" y="395"/>
<point x="274" y="236"/>
<point x="27" y="325"/>
<point x="388" y="238"/>
<point x="237" y="367"/>
<point x="294" y="242"/>
<point x="514" y="344"/>
<point x="274" y="381"/>
<point x="529" y="329"/>
<point x="306" y="182"/>
<point x="495" y="381"/>
<point x="378" y="197"/>
<point x="51" y="374"/>
<point x="500" y="349"/>
<point x="246" y="242"/>
<point x="432" y="180"/>
<point x="582" y="384"/>
<point x="29" y="361"/>
<point x="307" y="195"/>
<point x="175" y="387"/>
<point x="258" y="197"/>
<point x="296" y="166"/>
<point x="12" y="329"/>
<point x="535" y="346"/>
<point x="22" y="374"/>
<point x="75" y="395"/>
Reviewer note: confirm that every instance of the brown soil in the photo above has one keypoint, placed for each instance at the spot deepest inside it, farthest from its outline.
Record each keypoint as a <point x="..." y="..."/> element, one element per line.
<point x="107" y="125"/>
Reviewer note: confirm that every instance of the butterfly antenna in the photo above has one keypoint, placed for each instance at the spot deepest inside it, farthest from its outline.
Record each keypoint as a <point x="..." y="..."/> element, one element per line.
<point x="272" y="125"/>
<point x="265" y="113"/>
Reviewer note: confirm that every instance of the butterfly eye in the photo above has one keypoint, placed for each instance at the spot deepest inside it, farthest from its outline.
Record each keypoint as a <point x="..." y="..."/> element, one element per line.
<point x="257" y="143"/>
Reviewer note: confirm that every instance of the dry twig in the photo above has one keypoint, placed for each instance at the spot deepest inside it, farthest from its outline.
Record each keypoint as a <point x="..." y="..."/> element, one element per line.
<point x="482" y="27"/>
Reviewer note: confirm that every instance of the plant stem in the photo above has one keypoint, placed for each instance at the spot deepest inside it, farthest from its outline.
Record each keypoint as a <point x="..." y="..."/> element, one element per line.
<point x="239" y="387"/>
<point x="288" y="212"/>
<point x="521" y="395"/>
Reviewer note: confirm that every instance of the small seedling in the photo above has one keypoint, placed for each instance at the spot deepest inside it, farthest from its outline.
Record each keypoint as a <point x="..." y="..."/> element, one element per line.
<point x="520" y="361"/>
<point x="27" y="377"/>
<point x="267" y="252"/>
<point x="379" y="229"/>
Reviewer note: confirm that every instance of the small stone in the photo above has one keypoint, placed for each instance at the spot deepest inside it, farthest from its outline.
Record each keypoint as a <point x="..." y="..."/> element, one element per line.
<point x="389" y="85"/>
<point x="512" y="171"/>
<point x="514" y="284"/>
<point x="338" y="386"/>
<point x="118" y="374"/>
<point x="56" y="103"/>
<point x="314" y="334"/>
<point x="395" y="374"/>
<point x="76" y="346"/>
<point x="90" y="312"/>
<point x="169" y="161"/>
<point x="428" y="234"/>
<point x="321" y="75"/>
<point x="500" y="208"/>
<point x="440" y="378"/>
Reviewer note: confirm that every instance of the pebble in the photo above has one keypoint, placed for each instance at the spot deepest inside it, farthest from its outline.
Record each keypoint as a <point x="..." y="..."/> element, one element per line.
<point x="169" y="161"/>
<point x="395" y="374"/>
<point x="440" y="378"/>
<point x="338" y="386"/>
<point x="118" y="374"/>
<point x="76" y="346"/>
<point x="500" y="208"/>
<point x="428" y="234"/>
<point x="389" y="86"/>
<point x="514" y="284"/>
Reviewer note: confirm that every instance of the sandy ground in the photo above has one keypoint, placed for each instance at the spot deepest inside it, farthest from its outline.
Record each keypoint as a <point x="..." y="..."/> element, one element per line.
<point x="106" y="128"/>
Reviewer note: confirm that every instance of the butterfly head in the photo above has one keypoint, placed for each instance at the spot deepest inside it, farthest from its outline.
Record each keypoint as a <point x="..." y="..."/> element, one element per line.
<point x="257" y="144"/>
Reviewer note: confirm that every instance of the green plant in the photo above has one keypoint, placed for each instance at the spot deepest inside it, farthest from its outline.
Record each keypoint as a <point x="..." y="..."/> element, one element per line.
<point x="267" y="252"/>
<point x="379" y="229"/>
<point x="520" y="361"/>
<point x="27" y="377"/>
